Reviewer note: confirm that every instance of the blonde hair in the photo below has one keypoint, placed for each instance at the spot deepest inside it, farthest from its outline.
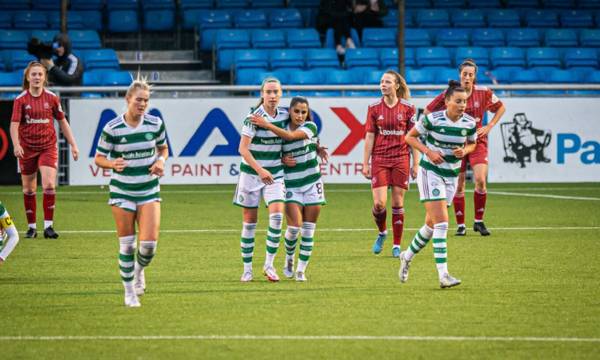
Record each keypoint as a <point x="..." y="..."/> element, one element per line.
<point x="28" y="69"/>
<point x="402" y="92"/>
<point x="140" y="83"/>
<point x="269" y="79"/>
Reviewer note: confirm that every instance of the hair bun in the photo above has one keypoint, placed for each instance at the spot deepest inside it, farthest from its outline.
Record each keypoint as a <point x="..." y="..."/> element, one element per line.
<point x="453" y="83"/>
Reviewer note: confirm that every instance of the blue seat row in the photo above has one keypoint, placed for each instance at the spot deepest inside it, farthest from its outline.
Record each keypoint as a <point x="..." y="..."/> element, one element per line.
<point x="17" y="39"/>
<point x="258" y="38"/>
<point x="243" y="18"/>
<point x="13" y="60"/>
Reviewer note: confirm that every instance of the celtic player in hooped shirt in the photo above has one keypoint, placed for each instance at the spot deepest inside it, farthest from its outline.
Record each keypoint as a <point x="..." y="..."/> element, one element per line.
<point x="450" y="135"/>
<point x="8" y="231"/>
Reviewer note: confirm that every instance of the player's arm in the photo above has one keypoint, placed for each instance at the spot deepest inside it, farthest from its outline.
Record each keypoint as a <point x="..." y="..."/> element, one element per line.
<point x="14" y="135"/>
<point x="461" y="152"/>
<point x="66" y="130"/>
<point x="416" y="156"/>
<point x="369" y="142"/>
<point x="158" y="168"/>
<point x="7" y="225"/>
<point x="484" y="130"/>
<point x="412" y="139"/>
<point x="244" y="150"/>
<point x="282" y="133"/>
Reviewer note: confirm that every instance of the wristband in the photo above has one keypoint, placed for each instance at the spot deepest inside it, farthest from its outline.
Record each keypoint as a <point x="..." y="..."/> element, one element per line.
<point x="161" y="158"/>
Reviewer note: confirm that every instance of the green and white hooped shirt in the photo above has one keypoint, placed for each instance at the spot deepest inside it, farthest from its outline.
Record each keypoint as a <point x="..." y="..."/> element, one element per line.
<point x="306" y="172"/>
<point x="138" y="147"/>
<point x="265" y="146"/>
<point x="442" y="134"/>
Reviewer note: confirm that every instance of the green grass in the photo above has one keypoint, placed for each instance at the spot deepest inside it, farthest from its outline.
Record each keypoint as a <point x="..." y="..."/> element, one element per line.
<point x="523" y="281"/>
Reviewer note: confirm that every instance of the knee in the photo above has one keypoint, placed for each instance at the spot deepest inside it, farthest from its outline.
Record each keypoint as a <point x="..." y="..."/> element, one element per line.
<point x="379" y="206"/>
<point x="480" y="183"/>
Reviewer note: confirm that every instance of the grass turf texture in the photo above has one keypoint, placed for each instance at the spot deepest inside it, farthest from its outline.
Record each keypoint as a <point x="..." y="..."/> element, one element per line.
<point x="523" y="281"/>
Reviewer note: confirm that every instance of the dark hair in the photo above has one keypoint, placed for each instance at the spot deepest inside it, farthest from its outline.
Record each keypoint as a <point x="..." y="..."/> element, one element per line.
<point x="301" y="100"/>
<point x="453" y="86"/>
<point x="402" y="92"/>
<point x="468" y="62"/>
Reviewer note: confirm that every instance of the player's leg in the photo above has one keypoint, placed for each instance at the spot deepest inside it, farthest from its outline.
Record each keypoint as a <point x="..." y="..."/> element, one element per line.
<point x="125" y="221"/>
<point x="49" y="187"/>
<point x="438" y="214"/>
<point x="247" y="196"/>
<point x="400" y="178"/>
<point x="459" y="200"/>
<point x="274" y="196"/>
<point x="148" y="219"/>
<point x="293" y="214"/>
<point x="29" y="168"/>
<point x="12" y="235"/>
<point x="381" y="178"/>
<point x="479" y="164"/>
<point x="309" y="225"/>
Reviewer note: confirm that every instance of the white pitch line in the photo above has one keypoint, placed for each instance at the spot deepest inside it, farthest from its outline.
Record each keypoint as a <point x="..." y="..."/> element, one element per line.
<point x="183" y="231"/>
<point x="305" y="338"/>
<point x="561" y="197"/>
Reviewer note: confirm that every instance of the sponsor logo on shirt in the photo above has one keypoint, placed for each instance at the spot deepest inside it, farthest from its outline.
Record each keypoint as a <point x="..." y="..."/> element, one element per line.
<point x="399" y="117"/>
<point x="138" y="154"/>
<point x="46" y="106"/>
<point x="476" y="104"/>
<point x="29" y="120"/>
<point x="391" y="132"/>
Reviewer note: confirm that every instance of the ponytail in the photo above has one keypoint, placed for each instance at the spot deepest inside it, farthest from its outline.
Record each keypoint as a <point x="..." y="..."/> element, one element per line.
<point x="402" y="92"/>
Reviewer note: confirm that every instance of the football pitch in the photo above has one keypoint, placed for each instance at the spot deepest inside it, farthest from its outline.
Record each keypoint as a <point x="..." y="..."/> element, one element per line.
<point x="530" y="290"/>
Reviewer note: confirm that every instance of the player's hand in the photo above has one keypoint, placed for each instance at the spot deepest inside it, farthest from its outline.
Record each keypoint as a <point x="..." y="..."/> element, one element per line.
<point x="18" y="151"/>
<point x="158" y="168"/>
<point x="459" y="152"/>
<point x="288" y="161"/>
<point x="259" y="121"/>
<point x="119" y="164"/>
<point x="75" y="152"/>
<point x="413" y="171"/>
<point x="366" y="171"/>
<point x="265" y="176"/>
<point x="323" y="154"/>
<point x="436" y="157"/>
<point x="483" y="131"/>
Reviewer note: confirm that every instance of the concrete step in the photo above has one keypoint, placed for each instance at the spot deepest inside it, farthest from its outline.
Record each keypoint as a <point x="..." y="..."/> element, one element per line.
<point x="159" y="60"/>
<point x="180" y="77"/>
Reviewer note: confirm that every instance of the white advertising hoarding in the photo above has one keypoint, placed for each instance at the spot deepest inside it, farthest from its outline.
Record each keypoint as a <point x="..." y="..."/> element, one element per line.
<point x="554" y="140"/>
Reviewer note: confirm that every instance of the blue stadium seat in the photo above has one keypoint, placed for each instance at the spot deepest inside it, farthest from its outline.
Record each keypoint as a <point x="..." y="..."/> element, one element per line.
<point x="285" y="18"/>
<point x="372" y="77"/>
<point x="577" y="18"/>
<point x="589" y="4"/>
<point x="13" y="39"/>
<point x="100" y="59"/>
<point x="562" y="77"/>
<point x="85" y="39"/>
<point x="448" y="4"/>
<point x="503" y="18"/>
<point x="478" y="54"/>
<point x="268" y="39"/>
<point x="378" y="37"/>
<point x="267" y="3"/>
<point x="305" y="77"/>
<point x="194" y="4"/>
<point x="329" y="42"/>
<point x="593" y="78"/>
<point x="5" y="20"/>
<point x="207" y="39"/>
<point x="91" y="19"/>
<point x="18" y="59"/>
<point x="487" y="37"/>
<point x="303" y="3"/>
<point x="14" y="5"/>
<point x="46" y="4"/>
<point x="251" y="58"/>
<point x="444" y="75"/>
<point x="87" y="4"/>
<point x="432" y="18"/>
<point x="504" y="75"/>
<point x="214" y="19"/>
<point x="158" y="4"/>
<point x="362" y="57"/>
<point x="231" y="4"/>
<point x="310" y="17"/>
<point x="528" y="76"/>
<point x="453" y="37"/>
<point x="523" y="37"/>
<point x="468" y="18"/>
<point x="561" y="38"/>
<point x="543" y="57"/>
<point x="388" y="57"/>
<point x="286" y="58"/>
<point x="303" y="38"/>
<point x="417" y="4"/>
<point x="522" y="3"/>
<point x="322" y="58"/>
<point x="248" y="77"/>
<point x="433" y="56"/>
<point x="74" y="20"/>
<point x="581" y="57"/>
<point x="11" y="78"/>
<point x="507" y="56"/>
<point x="232" y="39"/>
<point x="123" y="21"/>
<point x="121" y="5"/>
<point x="590" y="38"/>
<point x="250" y="19"/>
<point x="544" y="71"/>
<point x="92" y="78"/>
<point x="541" y="18"/>
<point x="191" y="18"/>
<point x="416" y="38"/>
<point x="159" y="20"/>
<point x="340" y="77"/>
<point x="486" y="4"/>
<point x="117" y="78"/>
<point x="30" y="20"/>
<point x="44" y="35"/>
<point x="391" y="19"/>
<point x="224" y="59"/>
<point x="562" y="4"/>
<point x="421" y="77"/>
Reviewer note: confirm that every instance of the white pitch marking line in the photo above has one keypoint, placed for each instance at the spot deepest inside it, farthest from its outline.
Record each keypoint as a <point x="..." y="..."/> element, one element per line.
<point x="334" y="229"/>
<point x="562" y="197"/>
<point x="299" y="337"/>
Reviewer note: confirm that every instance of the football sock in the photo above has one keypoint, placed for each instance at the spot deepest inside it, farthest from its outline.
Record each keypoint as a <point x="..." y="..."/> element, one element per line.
<point x="146" y="252"/>
<point x="418" y="242"/>
<point x="379" y="216"/>
<point x="397" y="224"/>
<point x="126" y="261"/>
<point x="479" y="199"/>
<point x="247" y="244"/>
<point x="12" y="238"/>
<point x="49" y="201"/>
<point x="459" y="208"/>
<point x="291" y="238"/>
<point x="30" y="203"/>
<point x="273" y="237"/>
<point x="306" y="245"/>
<point x="440" y="252"/>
